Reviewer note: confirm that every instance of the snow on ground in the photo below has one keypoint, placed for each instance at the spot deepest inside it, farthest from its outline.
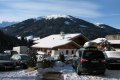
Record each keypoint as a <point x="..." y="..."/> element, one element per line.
<point x="70" y="74"/>
<point x="18" y="75"/>
<point x="67" y="71"/>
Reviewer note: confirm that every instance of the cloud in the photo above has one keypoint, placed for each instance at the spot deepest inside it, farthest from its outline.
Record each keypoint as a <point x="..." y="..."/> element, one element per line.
<point x="114" y="14"/>
<point x="35" y="8"/>
<point x="111" y="15"/>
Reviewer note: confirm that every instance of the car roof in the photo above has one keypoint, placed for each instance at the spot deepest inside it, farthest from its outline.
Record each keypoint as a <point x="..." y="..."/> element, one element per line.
<point x="21" y="54"/>
<point x="112" y="54"/>
<point x="112" y="51"/>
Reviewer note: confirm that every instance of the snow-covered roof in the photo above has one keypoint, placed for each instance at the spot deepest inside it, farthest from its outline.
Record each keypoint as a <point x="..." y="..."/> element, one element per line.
<point x="36" y="38"/>
<point x="114" y="41"/>
<point x="58" y="37"/>
<point x="99" y="40"/>
<point x="55" y="40"/>
<point x="51" y="43"/>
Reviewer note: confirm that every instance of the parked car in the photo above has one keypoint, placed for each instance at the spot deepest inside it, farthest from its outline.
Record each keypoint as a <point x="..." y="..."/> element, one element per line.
<point x="22" y="59"/>
<point x="112" y="59"/>
<point x="89" y="60"/>
<point x="6" y="62"/>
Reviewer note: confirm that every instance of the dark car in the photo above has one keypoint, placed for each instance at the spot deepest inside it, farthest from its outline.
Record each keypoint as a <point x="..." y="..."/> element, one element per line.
<point x="89" y="60"/>
<point x="22" y="59"/>
<point x="6" y="62"/>
<point x="112" y="59"/>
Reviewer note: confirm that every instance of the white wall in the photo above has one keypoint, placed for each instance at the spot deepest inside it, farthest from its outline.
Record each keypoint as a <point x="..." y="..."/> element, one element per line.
<point x="117" y="49"/>
<point x="16" y="49"/>
<point x="69" y="51"/>
<point x="21" y="49"/>
<point x="54" y="53"/>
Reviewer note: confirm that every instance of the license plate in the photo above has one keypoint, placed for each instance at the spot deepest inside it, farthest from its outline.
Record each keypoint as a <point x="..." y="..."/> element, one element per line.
<point x="95" y="61"/>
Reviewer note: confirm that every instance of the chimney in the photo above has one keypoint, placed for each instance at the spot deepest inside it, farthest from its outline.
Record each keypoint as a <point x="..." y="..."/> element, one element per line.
<point x="62" y="35"/>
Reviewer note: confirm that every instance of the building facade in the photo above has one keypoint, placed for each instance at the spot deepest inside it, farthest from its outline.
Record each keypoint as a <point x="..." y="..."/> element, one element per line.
<point x="66" y="44"/>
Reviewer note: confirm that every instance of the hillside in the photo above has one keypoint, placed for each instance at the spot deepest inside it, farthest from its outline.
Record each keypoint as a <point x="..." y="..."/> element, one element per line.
<point x="5" y="23"/>
<point x="7" y="42"/>
<point x="54" y="24"/>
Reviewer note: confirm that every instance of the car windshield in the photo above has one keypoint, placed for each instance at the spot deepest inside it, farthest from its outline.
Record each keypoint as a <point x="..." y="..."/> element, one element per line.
<point x="93" y="54"/>
<point x="24" y="57"/>
<point x="5" y="57"/>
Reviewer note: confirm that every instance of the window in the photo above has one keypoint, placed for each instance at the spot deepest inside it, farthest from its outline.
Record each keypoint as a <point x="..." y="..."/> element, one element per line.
<point x="66" y="52"/>
<point x="72" y="51"/>
<point x="80" y="53"/>
<point x="93" y="54"/>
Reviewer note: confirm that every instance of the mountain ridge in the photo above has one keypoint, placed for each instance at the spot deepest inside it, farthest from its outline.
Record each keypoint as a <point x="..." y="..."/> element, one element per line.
<point x="6" y="23"/>
<point x="47" y="25"/>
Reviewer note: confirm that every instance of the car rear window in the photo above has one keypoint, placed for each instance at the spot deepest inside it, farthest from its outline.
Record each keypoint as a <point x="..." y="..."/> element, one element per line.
<point x="93" y="54"/>
<point x="24" y="57"/>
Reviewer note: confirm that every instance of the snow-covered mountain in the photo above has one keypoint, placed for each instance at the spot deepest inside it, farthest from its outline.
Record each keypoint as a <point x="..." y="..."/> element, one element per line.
<point x="54" y="24"/>
<point x="54" y="16"/>
<point x="5" y="23"/>
<point x="99" y="25"/>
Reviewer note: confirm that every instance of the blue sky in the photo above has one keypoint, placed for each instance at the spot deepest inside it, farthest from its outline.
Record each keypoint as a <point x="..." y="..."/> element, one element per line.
<point x="95" y="11"/>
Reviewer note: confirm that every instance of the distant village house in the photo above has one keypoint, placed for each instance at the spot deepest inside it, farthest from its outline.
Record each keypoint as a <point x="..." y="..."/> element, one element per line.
<point x="66" y="44"/>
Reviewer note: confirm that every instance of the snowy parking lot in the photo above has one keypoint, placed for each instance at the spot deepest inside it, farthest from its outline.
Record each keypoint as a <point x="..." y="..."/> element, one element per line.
<point x="109" y="75"/>
<point x="18" y="75"/>
<point x="67" y="71"/>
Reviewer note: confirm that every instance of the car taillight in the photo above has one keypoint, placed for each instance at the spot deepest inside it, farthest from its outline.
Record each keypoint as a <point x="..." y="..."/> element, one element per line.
<point x="17" y="63"/>
<point x="83" y="60"/>
<point x="103" y="61"/>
